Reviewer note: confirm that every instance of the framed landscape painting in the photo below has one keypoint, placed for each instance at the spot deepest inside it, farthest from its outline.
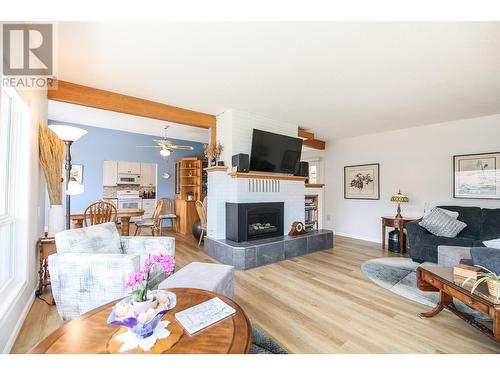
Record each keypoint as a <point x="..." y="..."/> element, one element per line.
<point x="477" y="176"/>
<point x="362" y="181"/>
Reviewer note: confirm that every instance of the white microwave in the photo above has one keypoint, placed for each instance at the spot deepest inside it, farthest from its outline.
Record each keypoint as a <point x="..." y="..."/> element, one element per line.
<point x="128" y="179"/>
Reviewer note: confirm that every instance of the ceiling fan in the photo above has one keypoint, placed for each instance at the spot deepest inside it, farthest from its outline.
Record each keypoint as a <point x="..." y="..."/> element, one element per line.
<point x="166" y="146"/>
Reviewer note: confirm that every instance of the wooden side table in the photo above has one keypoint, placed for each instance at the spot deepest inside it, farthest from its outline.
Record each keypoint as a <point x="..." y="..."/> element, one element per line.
<point x="46" y="247"/>
<point x="393" y="222"/>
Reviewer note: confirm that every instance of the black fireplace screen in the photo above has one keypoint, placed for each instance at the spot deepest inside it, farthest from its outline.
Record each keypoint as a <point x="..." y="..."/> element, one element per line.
<point x="247" y="221"/>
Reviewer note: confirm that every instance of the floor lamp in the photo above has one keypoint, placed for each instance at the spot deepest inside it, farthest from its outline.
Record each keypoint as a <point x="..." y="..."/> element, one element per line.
<point x="68" y="134"/>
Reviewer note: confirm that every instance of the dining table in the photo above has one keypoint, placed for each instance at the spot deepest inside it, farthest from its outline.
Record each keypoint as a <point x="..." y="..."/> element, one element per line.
<point x="123" y="214"/>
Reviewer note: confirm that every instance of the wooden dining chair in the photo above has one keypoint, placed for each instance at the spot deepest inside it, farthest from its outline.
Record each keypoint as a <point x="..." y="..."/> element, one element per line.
<point x="99" y="212"/>
<point x="168" y="213"/>
<point x="200" y="208"/>
<point x="153" y="222"/>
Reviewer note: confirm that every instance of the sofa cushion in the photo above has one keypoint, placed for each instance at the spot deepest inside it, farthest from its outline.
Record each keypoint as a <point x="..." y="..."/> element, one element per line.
<point x="486" y="257"/>
<point x="472" y="216"/>
<point x="97" y="239"/>
<point x="490" y="224"/>
<point x="494" y="244"/>
<point x="441" y="224"/>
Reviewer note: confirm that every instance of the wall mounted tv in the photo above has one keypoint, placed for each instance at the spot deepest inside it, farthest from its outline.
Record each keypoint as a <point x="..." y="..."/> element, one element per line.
<point x="274" y="152"/>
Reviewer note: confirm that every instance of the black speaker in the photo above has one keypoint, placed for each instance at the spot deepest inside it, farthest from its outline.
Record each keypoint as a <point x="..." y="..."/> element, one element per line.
<point x="303" y="169"/>
<point x="241" y="162"/>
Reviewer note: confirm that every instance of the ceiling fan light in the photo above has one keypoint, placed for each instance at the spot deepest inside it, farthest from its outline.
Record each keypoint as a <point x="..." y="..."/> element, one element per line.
<point x="164" y="152"/>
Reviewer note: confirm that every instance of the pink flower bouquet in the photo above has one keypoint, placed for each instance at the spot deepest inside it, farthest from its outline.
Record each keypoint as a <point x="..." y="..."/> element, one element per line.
<point x="138" y="281"/>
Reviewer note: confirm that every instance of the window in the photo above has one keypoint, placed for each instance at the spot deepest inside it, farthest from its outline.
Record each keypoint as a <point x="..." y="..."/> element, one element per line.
<point x="314" y="171"/>
<point x="13" y="116"/>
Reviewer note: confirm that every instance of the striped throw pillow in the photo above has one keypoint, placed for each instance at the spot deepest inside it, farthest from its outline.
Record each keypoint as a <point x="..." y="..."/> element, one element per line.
<point x="441" y="224"/>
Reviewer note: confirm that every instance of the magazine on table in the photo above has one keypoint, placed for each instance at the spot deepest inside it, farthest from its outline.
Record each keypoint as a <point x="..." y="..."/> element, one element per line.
<point x="204" y="314"/>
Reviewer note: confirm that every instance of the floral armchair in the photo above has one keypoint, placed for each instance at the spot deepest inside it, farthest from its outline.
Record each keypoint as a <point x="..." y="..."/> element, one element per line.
<point x="92" y="264"/>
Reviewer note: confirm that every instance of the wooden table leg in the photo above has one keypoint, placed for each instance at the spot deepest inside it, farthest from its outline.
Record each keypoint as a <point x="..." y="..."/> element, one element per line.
<point x="125" y="225"/>
<point x="444" y="300"/>
<point x="496" y="324"/>
<point x="383" y="236"/>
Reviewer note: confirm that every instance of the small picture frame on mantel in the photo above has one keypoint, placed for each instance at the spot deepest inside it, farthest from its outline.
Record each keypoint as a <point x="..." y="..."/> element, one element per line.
<point x="476" y="176"/>
<point x="362" y="181"/>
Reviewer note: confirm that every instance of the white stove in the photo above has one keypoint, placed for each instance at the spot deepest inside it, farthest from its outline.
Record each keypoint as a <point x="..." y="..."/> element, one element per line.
<point x="128" y="199"/>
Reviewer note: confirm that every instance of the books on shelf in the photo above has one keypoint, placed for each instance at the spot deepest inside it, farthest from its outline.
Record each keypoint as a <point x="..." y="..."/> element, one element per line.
<point x="204" y="314"/>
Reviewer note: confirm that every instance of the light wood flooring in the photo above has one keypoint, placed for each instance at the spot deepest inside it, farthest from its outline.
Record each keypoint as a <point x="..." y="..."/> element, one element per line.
<point x="318" y="303"/>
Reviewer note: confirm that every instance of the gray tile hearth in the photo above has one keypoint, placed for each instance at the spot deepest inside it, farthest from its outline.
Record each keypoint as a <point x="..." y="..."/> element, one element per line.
<point x="246" y="255"/>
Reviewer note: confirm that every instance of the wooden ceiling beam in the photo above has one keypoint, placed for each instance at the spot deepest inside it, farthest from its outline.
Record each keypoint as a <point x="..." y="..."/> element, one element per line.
<point x="101" y="99"/>
<point x="310" y="141"/>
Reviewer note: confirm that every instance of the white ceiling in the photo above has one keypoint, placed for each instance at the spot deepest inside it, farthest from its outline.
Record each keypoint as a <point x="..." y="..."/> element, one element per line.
<point x="76" y="114"/>
<point x="338" y="79"/>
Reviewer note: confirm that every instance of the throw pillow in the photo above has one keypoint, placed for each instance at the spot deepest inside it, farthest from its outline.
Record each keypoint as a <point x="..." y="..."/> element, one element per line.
<point x="97" y="239"/>
<point x="452" y="214"/>
<point x="441" y="224"/>
<point x="494" y="244"/>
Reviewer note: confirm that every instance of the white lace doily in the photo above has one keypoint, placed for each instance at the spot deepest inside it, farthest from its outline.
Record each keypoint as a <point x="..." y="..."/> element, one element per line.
<point x="131" y="341"/>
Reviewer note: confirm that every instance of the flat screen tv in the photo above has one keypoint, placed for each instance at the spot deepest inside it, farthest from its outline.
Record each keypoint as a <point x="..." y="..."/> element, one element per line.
<point x="274" y="152"/>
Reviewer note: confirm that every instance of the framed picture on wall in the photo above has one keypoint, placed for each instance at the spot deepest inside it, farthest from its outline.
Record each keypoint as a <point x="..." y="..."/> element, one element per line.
<point x="362" y="181"/>
<point x="76" y="172"/>
<point x="476" y="176"/>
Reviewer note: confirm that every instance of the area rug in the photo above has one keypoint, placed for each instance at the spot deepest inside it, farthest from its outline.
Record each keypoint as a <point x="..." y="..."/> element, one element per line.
<point x="399" y="275"/>
<point x="263" y="344"/>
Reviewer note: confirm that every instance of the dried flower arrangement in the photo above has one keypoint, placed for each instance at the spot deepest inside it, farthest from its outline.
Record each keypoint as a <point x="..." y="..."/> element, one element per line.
<point x="213" y="151"/>
<point x="51" y="154"/>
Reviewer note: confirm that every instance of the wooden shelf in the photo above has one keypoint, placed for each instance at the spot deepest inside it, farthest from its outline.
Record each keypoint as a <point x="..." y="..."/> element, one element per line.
<point x="216" y="168"/>
<point x="314" y="185"/>
<point x="269" y="176"/>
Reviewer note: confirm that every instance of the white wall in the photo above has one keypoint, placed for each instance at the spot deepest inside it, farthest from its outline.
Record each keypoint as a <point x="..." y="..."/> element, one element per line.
<point x="235" y="129"/>
<point x="416" y="160"/>
<point x="32" y="224"/>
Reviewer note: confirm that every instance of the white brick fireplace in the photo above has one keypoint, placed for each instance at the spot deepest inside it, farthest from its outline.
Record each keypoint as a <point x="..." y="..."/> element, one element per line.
<point x="234" y="131"/>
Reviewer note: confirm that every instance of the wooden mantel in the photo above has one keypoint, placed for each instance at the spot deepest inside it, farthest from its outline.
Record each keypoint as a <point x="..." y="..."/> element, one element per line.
<point x="268" y="176"/>
<point x="111" y="101"/>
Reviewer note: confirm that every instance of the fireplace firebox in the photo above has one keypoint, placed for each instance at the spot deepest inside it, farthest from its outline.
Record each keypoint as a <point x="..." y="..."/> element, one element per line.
<point x="252" y="221"/>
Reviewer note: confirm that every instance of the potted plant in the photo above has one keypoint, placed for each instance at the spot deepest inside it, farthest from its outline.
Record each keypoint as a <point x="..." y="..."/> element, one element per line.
<point x="139" y="281"/>
<point x="491" y="279"/>
<point x="142" y="311"/>
<point x="213" y="152"/>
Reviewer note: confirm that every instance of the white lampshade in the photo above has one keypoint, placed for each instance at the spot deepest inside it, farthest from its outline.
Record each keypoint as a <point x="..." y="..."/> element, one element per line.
<point x="164" y="152"/>
<point x="74" y="188"/>
<point x="67" y="133"/>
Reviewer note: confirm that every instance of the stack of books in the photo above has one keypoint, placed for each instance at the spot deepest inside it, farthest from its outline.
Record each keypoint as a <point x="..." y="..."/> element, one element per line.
<point x="462" y="272"/>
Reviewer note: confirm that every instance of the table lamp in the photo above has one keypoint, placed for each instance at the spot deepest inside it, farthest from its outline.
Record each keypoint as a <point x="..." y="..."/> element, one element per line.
<point x="400" y="198"/>
<point x="68" y="134"/>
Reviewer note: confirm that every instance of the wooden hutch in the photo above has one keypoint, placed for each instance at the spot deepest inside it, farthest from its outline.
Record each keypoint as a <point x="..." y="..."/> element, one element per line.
<point x="190" y="186"/>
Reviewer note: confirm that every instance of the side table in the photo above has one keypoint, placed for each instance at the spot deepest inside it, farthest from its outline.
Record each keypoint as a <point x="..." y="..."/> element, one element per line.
<point x="393" y="222"/>
<point x="46" y="247"/>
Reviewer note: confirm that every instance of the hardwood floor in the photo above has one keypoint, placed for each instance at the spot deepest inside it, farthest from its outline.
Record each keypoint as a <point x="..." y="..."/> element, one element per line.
<point x="318" y="303"/>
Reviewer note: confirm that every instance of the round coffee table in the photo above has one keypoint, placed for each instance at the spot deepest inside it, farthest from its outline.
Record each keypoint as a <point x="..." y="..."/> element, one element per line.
<point x="90" y="334"/>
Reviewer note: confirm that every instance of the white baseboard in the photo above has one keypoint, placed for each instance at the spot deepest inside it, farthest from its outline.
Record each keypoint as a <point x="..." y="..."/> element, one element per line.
<point x="19" y="324"/>
<point x="363" y="238"/>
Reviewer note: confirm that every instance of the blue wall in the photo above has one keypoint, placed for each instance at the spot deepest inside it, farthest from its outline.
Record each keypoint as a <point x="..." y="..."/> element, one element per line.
<point x="105" y="144"/>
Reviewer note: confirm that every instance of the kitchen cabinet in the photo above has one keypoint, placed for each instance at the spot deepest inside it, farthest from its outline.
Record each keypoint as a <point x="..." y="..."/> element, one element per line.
<point x="129" y="167"/>
<point x="148" y="174"/>
<point x="110" y="173"/>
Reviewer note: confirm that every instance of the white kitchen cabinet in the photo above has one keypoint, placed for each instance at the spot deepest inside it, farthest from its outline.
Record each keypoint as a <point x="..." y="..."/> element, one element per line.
<point x="148" y="174"/>
<point x="129" y="167"/>
<point x="110" y="173"/>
